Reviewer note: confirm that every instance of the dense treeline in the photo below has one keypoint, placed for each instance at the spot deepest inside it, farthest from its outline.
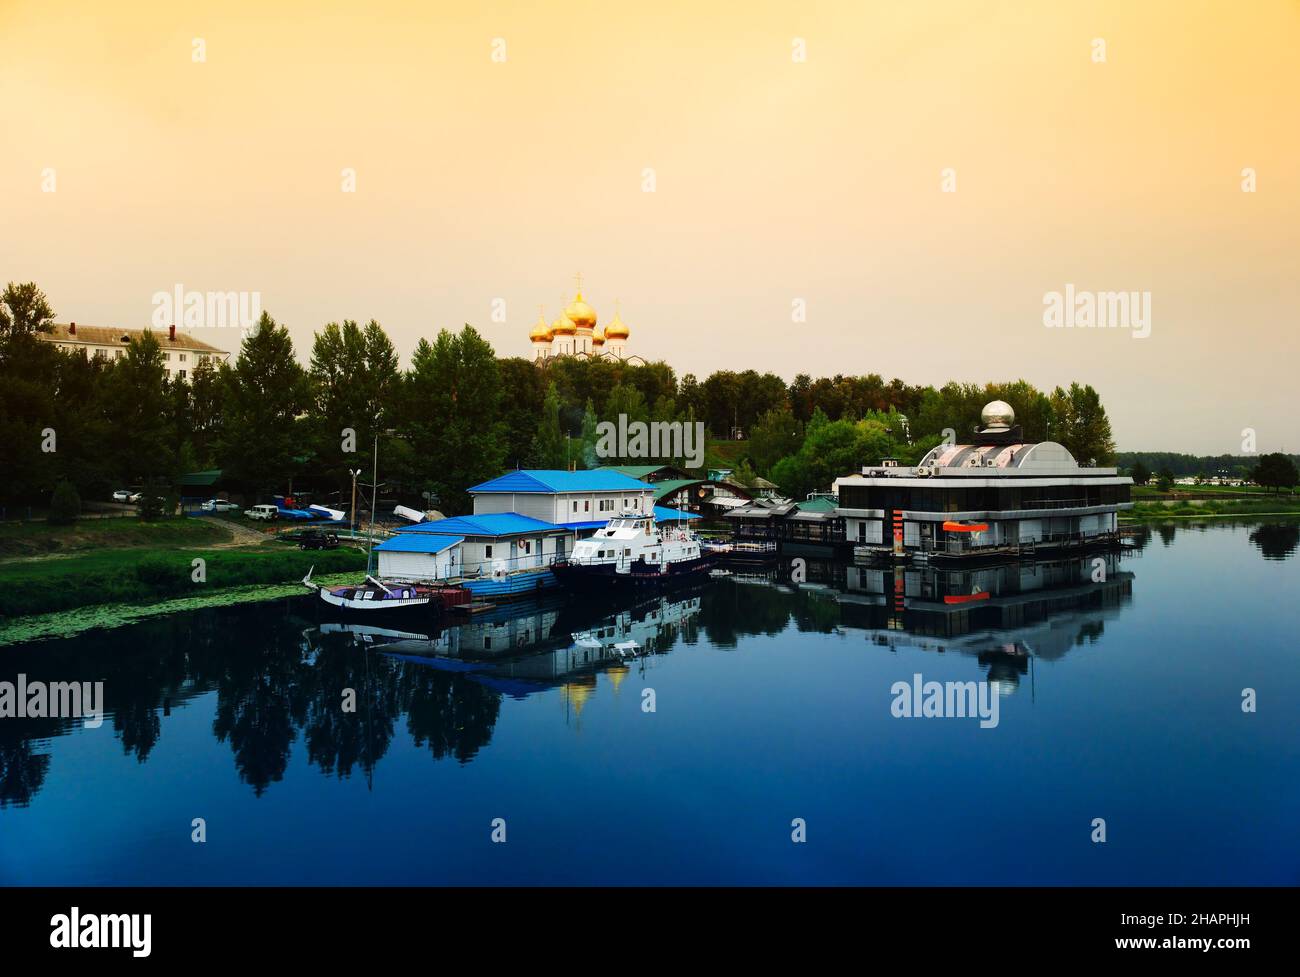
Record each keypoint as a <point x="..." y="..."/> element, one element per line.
<point x="1181" y="465"/>
<point x="457" y="416"/>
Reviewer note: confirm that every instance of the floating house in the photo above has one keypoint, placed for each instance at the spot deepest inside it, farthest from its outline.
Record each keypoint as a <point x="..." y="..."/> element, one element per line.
<point x="499" y="554"/>
<point x="811" y="527"/>
<point x="581" y="501"/>
<point x="994" y="496"/>
<point x="523" y="522"/>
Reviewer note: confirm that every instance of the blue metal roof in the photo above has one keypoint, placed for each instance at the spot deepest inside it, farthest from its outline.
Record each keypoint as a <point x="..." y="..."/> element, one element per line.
<point x="665" y="514"/>
<point x="546" y="481"/>
<point x="589" y="524"/>
<point x="418" y="543"/>
<point x="487" y="524"/>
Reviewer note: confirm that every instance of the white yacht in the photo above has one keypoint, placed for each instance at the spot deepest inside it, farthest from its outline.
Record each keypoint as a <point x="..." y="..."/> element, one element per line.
<point x="634" y="550"/>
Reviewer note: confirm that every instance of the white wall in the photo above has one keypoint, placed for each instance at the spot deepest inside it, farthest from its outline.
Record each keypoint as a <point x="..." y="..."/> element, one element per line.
<point x="419" y="566"/>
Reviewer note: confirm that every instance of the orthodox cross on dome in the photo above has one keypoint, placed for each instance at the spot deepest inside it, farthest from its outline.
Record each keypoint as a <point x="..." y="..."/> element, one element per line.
<point x="578" y="279"/>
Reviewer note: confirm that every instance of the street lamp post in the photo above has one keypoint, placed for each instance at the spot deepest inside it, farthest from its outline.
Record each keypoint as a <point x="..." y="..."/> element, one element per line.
<point x="352" y="513"/>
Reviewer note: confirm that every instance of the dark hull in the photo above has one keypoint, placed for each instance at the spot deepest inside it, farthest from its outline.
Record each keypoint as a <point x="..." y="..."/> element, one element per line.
<point x="603" y="577"/>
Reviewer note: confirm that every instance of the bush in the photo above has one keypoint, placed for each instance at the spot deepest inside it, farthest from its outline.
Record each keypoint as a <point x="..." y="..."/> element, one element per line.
<point x="65" y="505"/>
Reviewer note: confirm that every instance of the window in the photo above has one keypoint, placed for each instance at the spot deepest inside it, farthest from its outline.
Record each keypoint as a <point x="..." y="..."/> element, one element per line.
<point x="167" y="357"/>
<point x="575" y="505"/>
<point x="117" y="354"/>
<point x="527" y="546"/>
<point x="586" y="506"/>
<point x="181" y="357"/>
<point x="181" y="374"/>
<point x="487" y="552"/>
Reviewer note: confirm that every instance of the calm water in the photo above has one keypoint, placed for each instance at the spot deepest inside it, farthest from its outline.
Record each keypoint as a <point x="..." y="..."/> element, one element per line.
<point x="1121" y="700"/>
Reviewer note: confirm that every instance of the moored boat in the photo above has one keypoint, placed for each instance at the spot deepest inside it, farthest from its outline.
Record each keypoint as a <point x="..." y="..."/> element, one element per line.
<point x="374" y="597"/>
<point x="633" y="550"/>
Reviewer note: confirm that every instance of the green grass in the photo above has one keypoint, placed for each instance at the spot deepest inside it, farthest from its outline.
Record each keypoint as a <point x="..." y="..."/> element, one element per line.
<point x="1271" y="505"/>
<point x="138" y="575"/>
<point x="67" y="624"/>
<point x="28" y="539"/>
<point x="1203" y="491"/>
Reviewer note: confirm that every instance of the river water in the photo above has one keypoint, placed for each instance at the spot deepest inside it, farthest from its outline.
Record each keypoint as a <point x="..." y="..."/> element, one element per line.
<point x="745" y="714"/>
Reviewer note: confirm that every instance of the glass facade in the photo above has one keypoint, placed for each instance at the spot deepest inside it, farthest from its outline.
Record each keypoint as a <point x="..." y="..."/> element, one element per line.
<point x="980" y="499"/>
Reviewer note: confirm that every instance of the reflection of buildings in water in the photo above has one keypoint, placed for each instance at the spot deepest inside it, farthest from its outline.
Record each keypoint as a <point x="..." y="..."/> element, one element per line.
<point x="522" y="649"/>
<point x="1005" y="615"/>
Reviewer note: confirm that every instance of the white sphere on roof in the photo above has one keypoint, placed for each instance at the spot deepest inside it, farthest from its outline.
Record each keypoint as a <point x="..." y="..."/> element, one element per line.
<point x="997" y="415"/>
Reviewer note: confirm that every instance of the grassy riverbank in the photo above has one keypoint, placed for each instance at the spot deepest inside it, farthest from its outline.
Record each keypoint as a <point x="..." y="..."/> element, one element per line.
<point x="67" y="624"/>
<point x="1271" y="506"/>
<point x="38" y="539"/>
<point x="45" y="568"/>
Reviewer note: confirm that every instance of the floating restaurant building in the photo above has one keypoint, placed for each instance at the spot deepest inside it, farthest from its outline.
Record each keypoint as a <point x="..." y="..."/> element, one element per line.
<point x="992" y="497"/>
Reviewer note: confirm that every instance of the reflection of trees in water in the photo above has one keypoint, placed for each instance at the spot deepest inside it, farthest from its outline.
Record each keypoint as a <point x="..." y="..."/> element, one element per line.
<point x="260" y="703"/>
<point x="1167" y="532"/>
<point x="337" y="740"/>
<point x="734" y="609"/>
<point x="22" y="772"/>
<point x="1277" y="540"/>
<point x="449" y="713"/>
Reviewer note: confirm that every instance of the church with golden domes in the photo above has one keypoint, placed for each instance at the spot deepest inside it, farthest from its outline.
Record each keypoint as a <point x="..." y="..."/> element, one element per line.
<point x="574" y="333"/>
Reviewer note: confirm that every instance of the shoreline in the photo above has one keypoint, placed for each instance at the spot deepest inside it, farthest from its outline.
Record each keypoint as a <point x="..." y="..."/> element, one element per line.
<point x="69" y="623"/>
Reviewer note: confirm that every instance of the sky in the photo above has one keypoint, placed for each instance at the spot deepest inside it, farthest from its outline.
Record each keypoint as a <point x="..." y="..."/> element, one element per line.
<point x="824" y="188"/>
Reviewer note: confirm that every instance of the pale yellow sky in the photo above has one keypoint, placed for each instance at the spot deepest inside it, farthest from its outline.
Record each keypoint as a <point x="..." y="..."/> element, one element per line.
<point x="776" y="180"/>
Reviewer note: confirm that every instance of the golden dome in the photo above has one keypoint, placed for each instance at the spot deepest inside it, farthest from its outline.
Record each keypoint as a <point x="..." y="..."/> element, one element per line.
<point x="581" y="314"/>
<point x="598" y="339"/>
<point x="616" y="329"/>
<point x="541" y="331"/>
<point x="563" y="326"/>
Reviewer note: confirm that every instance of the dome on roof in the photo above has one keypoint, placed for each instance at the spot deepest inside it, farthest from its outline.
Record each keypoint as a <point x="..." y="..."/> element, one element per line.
<point x="541" y="332"/>
<point x="617" y="329"/>
<point x="997" y="415"/>
<point x="582" y="315"/>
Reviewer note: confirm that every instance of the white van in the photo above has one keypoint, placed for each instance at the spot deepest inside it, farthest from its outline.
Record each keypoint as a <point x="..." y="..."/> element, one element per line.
<point x="262" y="512"/>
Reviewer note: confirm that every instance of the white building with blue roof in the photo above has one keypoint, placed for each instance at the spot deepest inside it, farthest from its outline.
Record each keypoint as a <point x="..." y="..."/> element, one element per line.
<point x="580" y="501"/>
<point x="522" y="523"/>
<point x="494" y="555"/>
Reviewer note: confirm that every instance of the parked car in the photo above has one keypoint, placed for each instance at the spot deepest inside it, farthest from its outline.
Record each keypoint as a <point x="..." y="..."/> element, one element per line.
<point x="316" y="539"/>
<point x="219" y="505"/>
<point x="135" y="497"/>
<point x="122" y="495"/>
<point x="267" y="512"/>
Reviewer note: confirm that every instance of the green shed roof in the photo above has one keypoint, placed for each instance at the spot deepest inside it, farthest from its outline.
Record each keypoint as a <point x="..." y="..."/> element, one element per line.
<point x="206" y="478"/>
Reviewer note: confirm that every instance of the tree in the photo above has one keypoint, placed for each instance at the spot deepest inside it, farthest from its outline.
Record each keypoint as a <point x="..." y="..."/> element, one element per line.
<point x="773" y="436"/>
<point x="353" y="383"/>
<point x="1141" y="474"/>
<point x="65" y="505"/>
<point x="137" y="408"/>
<point x="523" y="390"/>
<point x="831" y="449"/>
<point x="456" y="434"/>
<point x="550" y="446"/>
<point x="266" y="390"/>
<point x="1080" y="424"/>
<point x="1165" y="480"/>
<point x="24" y="310"/>
<point x="1275" y="471"/>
